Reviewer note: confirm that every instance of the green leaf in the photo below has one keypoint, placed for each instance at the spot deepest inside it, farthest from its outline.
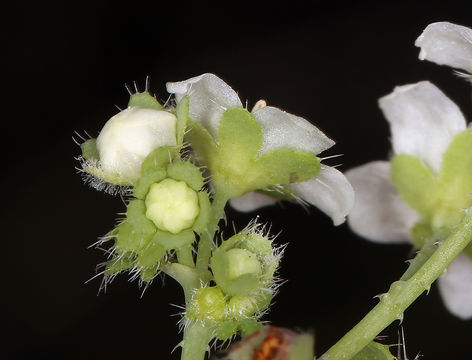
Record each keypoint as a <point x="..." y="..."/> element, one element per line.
<point x="89" y="150"/>
<point x="182" y="118"/>
<point x="415" y="183"/>
<point x="186" y="171"/>
<point x="144" y="100"/>
<point x="374" y="351"/>
<point x="174" y="241"/>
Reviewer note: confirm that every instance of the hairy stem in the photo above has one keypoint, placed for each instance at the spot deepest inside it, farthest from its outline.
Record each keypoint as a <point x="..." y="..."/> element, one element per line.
<point x="205" y="244"/>
<point x="196" y="338"/>
<point x="402" y="293"/>
<point x="423" y="255"/>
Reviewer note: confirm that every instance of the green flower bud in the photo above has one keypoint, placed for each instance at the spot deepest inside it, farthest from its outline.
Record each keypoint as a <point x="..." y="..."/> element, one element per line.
<point x="208" y="303"/>
<point x="244" y="265"/>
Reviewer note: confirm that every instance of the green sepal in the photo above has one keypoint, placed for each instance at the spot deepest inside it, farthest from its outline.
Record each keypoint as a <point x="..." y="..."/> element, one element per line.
<point x="468" y="251"/>
<point x="280" y="192"/>
<point x="186" y="171"/>
<point x="120" y="263"/>
<point x="202" y="142"/>
<point x="144" y="100"/>
<point x="256" y="243"/>
<point x="222" y="264"/>
<point x="201" y="222"/>
<point x="159" y="158"/>
<point x="146" y="180"/>
<point x="374" y="351"/>
<point x="151" y="255"/>
<point x="148" y="274"/>
<point x="226" y="330"/>
<point x="415" y="183"/>
<point x="249" y="326"/>
<point x="286" y="166"/>
<point x="420" y="233"/>
<point x="181" y="112"/>
<point x="455" y="180"/>
<point x="135" y="216"/>
<point x="174" y="241"/>
<point x="235" y="163"/>
<point x="239" y="138"/>
<point x="129" y="238"/>
<point x="89" y="150"/>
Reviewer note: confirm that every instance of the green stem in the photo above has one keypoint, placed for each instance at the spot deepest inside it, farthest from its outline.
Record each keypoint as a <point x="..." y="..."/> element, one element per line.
<point x="402" y="293"/>
<point x="205" y="244"/>
<point x="196" y="338"/>
<point x="186" y="276"/>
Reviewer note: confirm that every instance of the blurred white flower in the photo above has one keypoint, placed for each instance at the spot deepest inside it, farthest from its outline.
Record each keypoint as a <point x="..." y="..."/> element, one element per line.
<point x="423" y="122"/>
<point x="447" y="44"/>
<point x="210" y="97"/>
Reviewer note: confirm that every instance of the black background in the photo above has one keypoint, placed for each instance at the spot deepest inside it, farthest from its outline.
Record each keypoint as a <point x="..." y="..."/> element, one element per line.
<point x="65" y="67"/>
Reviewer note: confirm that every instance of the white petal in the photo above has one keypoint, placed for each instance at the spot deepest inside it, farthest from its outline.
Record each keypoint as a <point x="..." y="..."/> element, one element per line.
<point x="283" y="130"/>
<point x="456" y="287"/>
<point x="379" y="214"/>
<point x="128" y="137"/>
<point x="209" y="97"/>
<point x="252" y="201"/>
<point x="423" y="121"/>
<point x="329" y="191"/>
<point x="447" y="44"/>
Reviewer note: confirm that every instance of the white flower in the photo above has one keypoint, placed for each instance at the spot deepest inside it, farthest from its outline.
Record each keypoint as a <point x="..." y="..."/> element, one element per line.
<point x="128" y="137"/>
<point x="423" y="122"/>
<point x="210" y="97"/>
<point x="447" y="44"/>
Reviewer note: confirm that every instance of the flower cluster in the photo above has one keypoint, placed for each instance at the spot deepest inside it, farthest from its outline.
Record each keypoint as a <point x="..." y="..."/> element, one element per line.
<point x="419" y="195"/>
<point x="239" y="146"/>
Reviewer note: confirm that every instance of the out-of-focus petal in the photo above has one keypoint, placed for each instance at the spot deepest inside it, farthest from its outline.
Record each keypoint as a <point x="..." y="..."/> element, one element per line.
<point x="456" y="287"/>
<point x="423" y="121"/>
<point x="379" y="214"/>
<point x="283" y="130"/>
<point x="329" y="191"/>
<point x="252" y="201"/>
<point x="447" y="44"/>
<point x="209" y="97"/>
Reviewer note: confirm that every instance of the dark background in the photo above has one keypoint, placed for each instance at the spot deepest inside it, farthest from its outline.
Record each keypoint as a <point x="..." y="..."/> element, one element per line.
<point x="65" y="67"/>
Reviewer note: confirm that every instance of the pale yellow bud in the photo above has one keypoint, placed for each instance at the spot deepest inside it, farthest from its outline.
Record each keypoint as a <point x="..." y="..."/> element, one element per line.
<point x="172" y="205"/>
